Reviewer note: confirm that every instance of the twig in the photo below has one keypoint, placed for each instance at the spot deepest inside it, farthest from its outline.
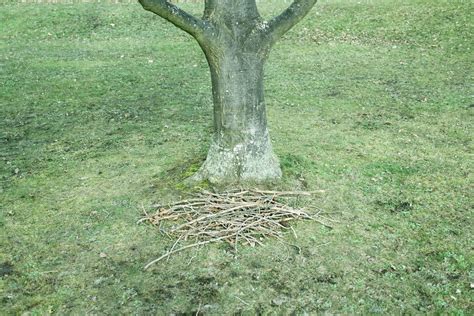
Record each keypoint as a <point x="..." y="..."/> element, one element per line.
<point x="146" y="215"/>
<point x="242" y="300"/>
<point x="183" y="248"/>
<point x="199" y="309"/>
<point x="174" y="245"/>
<point x="294" y="233"/>
<point x="288" y="193"/>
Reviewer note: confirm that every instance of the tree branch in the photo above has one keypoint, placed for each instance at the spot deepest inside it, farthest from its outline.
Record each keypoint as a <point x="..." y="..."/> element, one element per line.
<point x="282" y="23"/>
<point x="175" y="15"/>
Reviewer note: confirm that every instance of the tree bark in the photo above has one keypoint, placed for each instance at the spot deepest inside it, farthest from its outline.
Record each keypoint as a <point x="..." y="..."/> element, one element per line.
<point x="236" y="42"/>
<point x="241" y="150"/>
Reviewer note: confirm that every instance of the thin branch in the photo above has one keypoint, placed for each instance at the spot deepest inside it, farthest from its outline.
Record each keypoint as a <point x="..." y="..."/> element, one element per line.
<point x="282" y="23"/>
<point x="241" y="300"/>
<point x="183" y="248"/>
<point x="175" y="15"/>
<point x="288" y="193"/>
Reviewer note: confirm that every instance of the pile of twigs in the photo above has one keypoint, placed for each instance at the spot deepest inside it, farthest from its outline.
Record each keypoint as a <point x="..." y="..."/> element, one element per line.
<point x="245" y="216"/>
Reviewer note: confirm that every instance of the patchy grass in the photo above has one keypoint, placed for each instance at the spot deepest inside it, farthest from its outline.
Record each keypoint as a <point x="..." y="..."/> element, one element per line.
<point x="369" y="100"/>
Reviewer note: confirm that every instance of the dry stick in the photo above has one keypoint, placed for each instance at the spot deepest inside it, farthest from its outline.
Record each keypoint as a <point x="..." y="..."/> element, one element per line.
<point x="307" y="216"/>
<point x="274" y="222"/>
<point x="266" y="231"/>
<point x="177" y="203"/>
<point x="294" y="212"/>
<point x="252" y="241"/>
<point x="199" y="309"/>
<point x="146" y="214"/>
<point x="212" y="215"/>
<point x="225" y="194"/>
<point x="182" y="206"/>
<point x="174" y="245"/>
<point x="161" y="218"/>
<point x="202" y="199"/>
<point x="183" y="248"/>
<point x="321" y="222"/>
<point x="287" y="193"/>
<point x="143" y="219"/>
<point x="236" y="240"/>
<point x="249" y="226"/>
<point x="242" y="300"/>
<point x="294" y="233"/>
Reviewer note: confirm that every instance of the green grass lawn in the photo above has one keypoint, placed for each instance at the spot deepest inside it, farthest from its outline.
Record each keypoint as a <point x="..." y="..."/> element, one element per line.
<point x="106" y="108"/>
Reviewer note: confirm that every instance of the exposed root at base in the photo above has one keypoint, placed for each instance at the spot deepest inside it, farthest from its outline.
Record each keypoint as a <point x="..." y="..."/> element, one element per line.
<point x="244" y="216"/>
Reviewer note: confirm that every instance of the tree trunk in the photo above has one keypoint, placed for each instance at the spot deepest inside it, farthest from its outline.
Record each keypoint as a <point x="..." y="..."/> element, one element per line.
<point x="240" y="150"/>
<point x="236" y="42"/>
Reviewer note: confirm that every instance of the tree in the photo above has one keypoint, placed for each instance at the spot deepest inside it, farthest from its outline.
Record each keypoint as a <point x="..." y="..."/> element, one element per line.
<point x="236" y="42"/>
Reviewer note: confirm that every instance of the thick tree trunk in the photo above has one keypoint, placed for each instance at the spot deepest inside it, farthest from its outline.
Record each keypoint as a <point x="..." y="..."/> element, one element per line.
<point x="241" y="150"/>
<point x="236" y="41"/>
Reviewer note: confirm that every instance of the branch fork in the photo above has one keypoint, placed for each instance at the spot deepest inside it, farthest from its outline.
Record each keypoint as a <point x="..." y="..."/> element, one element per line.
<point x="205" y="28"/>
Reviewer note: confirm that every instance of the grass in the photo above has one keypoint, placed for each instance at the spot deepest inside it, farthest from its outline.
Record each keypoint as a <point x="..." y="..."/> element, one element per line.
<point x="105" y="108"/>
